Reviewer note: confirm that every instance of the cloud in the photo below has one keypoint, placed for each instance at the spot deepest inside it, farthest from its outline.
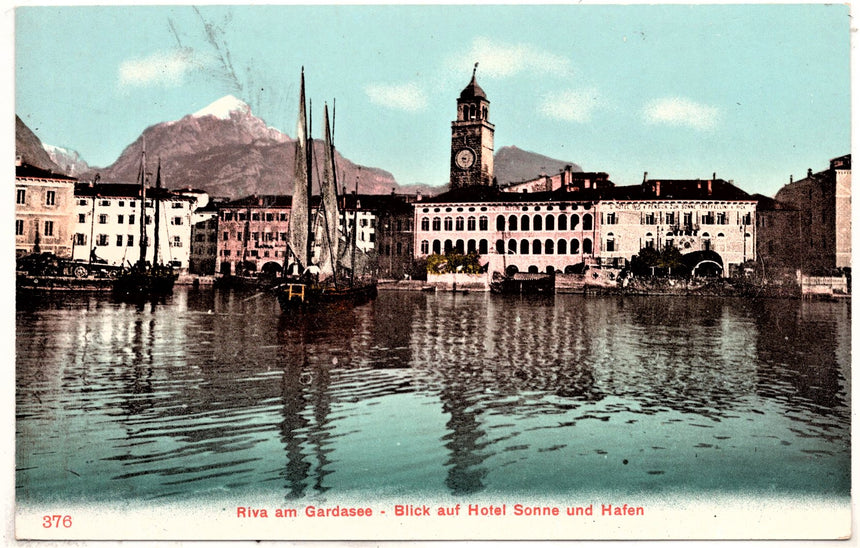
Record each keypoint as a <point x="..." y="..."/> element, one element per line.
<point x="678" y="111"/>
<point x="163" y="68"/>
<point x="408" y="97"/>
<point x="500" y="59"/>
<point x="571" y="105"/>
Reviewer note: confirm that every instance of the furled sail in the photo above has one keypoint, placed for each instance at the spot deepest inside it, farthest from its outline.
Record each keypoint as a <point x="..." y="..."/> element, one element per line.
<point x="329" y="236"/>
<point x="297" y="232"/>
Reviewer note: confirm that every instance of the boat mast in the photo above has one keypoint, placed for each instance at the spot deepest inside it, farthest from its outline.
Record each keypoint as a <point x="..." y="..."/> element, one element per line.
<point x="142" y="175"/>
<point x="157" y="198"/>
<point x="354" y="230"/>
<point x="309" y="167"/>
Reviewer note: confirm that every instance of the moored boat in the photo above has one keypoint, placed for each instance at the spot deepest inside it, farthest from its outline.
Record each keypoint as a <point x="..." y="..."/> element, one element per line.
<point x="334" y="278"/>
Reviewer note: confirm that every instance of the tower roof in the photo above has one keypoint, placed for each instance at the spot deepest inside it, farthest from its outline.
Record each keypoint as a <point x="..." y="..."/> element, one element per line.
<point x="473" y="90"/>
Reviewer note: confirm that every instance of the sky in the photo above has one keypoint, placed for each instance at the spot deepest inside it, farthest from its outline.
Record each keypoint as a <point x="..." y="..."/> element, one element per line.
<point x="753" y="93"/>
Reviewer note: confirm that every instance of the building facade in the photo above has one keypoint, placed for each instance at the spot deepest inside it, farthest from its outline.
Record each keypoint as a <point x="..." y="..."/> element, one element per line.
<point x="252" y="235"/>
<point x="106" y="224"/>
<point x="823" y="201"/>
<point x="44" y="210"/>
<point x="544" y="232"/>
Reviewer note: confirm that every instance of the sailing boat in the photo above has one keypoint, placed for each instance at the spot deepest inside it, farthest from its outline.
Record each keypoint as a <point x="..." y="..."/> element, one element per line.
<point x="146" y="279"/>
<point x="307" y="284"/>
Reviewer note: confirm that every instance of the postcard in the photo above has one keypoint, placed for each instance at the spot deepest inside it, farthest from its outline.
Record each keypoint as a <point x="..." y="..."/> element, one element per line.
<point x="432" y="272"/>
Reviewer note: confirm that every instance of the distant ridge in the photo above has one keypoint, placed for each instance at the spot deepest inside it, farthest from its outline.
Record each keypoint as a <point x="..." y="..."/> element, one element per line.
<point x="30" y="148"/>
<point x="513" y="165"/>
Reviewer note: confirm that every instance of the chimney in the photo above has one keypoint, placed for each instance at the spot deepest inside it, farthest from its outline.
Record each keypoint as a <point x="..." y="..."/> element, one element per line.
<point x="18" y="160"/>
<point x="547" y="183"/>
<point x="392" y="191"/>
<point x="657" y="189"/>
<point x="644" y="177"/>
<point x="790" y="179"/>
<point x="809" y="172"/>
<point x="709" y="186"/>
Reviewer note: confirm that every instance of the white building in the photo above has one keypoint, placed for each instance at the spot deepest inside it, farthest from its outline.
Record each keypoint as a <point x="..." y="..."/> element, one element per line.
<point x="107" y="223"/>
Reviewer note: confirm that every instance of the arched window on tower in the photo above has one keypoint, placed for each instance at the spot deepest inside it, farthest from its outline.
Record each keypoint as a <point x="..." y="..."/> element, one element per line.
<point x="484" y="113"/>
<point x="473" y="112"/>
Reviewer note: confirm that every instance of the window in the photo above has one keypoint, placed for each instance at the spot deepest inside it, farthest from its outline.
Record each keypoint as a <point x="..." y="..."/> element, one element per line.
<point x="708" y="218"/>
<point x="612" y="219"/>
<point x="460" y="223"/>
<point x="21" y="196"/>
<point x="670" y="218"/>
<point x="149" y="219"/>
<point x="132" y="203"/>
<point x="82" y="217"/>
<point x="131" y="219"/>
<point x="19" y="227"/>
<point x="448" y="224"/>
<point x="471" y="224"/>
<point x="587" y="223"/>
<point x="225" y="236"/>
<point x="524" y="247"/>
<point x="425" y="224"/>
<point x="102" y="240"/>
<point x="122" y="203"/>
<point x="549" y="247"/>
<point x="50" y="197"/>
<point x="471" y="246"/>
<point x="104" y="203"/>
<point x="255" y="216"/>
<point x="437" y="247"/>
<point x="688" y="219"/>
<point x="538" y="222"/>
<point x="425" y="247"/>
<point x="119" y="240"/>
<point x="586" y="246"/>
<point x="500" y="223"/>
<point x="536" y="247"/>
<point x="176" y="221"/>
<point x="574" y="221"/>
<point x="483" y="223"/>
<point x="120" y="219"/>
<point x="437" y="224"/>
<point x="82" y="202"/>
<point x="562" y="247"/>
<point x="483" y="247"/>
<point x="747" y="218"/>
<point x="176" y="205"/>
<point x="562" y="222"/>
<point x="512" y="223"/>
<point x="550" y="222"/>
<point x="80" y="239"/>
<point x="129" y="240"/>
<point x="648" y="219"/>
<point x="610" y="242"/>
<point x="177" y="241"/>
<point x="255" y="236"/>
<point x="524" y="222"/>
<point x="649" y="240"/>
<point x="500" y="246"/>
<point x="103" y="219"/>
<point x="512" y="247"/>
<point x="49" y="228"/>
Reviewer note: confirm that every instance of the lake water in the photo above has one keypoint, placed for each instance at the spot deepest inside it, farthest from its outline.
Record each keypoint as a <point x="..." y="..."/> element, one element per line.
<point x="215" y="395"/>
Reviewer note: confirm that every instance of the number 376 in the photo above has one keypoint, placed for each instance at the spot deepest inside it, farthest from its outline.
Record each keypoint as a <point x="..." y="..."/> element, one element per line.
<point x="56" y="521"/>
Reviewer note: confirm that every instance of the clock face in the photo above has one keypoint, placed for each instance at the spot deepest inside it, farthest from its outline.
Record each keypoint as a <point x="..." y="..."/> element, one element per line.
<point x="465" y="158"/>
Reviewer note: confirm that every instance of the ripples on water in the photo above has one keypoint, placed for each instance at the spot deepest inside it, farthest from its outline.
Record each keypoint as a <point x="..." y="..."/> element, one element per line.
<point x="218" y="395"/>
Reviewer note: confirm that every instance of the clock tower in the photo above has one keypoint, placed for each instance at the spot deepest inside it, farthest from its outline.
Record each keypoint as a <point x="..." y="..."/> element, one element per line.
<point x="472" y="139"/>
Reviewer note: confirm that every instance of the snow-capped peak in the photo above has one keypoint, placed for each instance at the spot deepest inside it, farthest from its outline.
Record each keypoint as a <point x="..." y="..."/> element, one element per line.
<point x="223" y="107"/>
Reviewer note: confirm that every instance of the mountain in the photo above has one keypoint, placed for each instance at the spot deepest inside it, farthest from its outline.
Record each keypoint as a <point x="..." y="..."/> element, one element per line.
<point x="227" y="151"/>
<point x="30" y="148"/>
<point x="70" y="161"/>
<point x="513" y="165"/>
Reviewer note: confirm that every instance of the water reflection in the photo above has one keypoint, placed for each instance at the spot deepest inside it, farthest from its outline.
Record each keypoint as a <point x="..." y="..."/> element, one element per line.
<point x="213" y="393"/>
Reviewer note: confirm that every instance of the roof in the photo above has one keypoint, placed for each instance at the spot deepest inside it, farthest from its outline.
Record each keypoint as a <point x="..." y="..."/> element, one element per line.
<point x="26" y="171"/>
<point x="678" y="189"/>
<point x="125" y="190"/>
<point x="766" y="203"/>
<point x="372" y="202"/>
<point x="473" y="90"/>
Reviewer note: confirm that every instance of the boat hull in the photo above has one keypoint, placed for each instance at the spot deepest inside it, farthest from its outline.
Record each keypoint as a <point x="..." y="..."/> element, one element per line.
<point x="141" y="284"/>
<point x="297" y="297"/>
